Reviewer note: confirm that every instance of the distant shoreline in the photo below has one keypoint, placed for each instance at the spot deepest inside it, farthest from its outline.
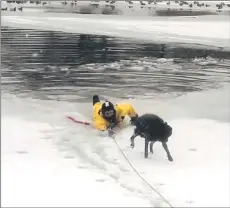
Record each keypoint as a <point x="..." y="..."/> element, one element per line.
<point x="123" y="8"/>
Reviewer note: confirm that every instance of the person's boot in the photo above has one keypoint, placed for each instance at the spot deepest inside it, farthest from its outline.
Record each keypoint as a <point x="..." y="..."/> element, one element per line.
<point x="95" y="99"/>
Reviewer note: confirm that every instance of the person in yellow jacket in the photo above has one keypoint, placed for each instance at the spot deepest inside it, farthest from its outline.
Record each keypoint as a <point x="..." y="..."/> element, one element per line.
<point x="106" y="115"/>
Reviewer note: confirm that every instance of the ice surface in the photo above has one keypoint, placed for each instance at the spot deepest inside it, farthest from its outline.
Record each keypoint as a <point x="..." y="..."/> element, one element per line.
<point x="208" y="30"/>
<point x="34" y="173"/>
<point x="48" y="160"/>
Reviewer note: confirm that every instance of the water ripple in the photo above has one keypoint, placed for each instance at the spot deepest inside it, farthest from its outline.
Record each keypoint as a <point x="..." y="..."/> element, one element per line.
<point x="57" y="65"/>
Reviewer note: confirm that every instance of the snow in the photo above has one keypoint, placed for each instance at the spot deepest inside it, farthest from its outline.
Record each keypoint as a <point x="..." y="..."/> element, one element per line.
<point x="34" y="174"/>
<point x="48" y="160"/>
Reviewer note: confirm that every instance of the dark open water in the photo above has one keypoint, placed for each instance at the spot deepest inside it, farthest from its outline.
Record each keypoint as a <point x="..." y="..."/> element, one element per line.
<point x="63" y="66"/>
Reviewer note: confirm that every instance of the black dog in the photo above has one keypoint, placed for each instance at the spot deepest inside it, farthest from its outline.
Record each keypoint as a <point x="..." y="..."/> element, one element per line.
<point x="153" y="129"/>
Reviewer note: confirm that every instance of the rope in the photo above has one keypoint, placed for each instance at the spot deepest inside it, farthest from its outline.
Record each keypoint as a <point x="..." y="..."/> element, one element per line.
<point x="151" y="187"/>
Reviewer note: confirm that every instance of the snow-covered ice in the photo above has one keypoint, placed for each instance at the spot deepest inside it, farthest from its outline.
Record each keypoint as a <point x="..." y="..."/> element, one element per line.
<point x="202" y="30"/>
<point x="50" y="161"/>
<point x="34" y="174"/>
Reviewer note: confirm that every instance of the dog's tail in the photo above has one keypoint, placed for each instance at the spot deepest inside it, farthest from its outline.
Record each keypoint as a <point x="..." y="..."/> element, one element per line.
<point x="167" y="131"/>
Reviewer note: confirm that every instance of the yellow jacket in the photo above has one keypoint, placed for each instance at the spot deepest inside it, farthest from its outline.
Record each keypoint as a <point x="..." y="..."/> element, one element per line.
<point x="122" y="110"/>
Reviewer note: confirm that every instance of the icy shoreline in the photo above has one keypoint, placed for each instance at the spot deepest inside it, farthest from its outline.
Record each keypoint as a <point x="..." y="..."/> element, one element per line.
<point x="195" y="32"/>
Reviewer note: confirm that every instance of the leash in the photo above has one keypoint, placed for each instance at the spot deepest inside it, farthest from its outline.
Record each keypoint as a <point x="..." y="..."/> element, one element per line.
<point x="113" y="137"/>
<point x="77" y="121"/>
<point x="150" y="186"/>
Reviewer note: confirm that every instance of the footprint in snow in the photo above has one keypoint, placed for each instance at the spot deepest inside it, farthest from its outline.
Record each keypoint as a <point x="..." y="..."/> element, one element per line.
<point x="189" y="202"/>
<point x="159" y="184"/>
<point x="124" y="169"/>
<point x="142" y="172"/>
<point x="84" y="167"/>
<point x="66" y="140"/>
<point x="22" y="152"/>
<point x="101" y="180"/>
<point x="69" y="157"/>
<point x="192" y="149"/>
<point x="46" y="138"/>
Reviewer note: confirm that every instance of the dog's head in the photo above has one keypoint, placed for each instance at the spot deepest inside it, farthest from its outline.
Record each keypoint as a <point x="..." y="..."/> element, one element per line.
<point x="141" y="128"/>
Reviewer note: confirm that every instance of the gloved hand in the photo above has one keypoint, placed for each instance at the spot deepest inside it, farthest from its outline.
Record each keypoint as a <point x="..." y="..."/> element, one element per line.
<point x="112" y="125"/>
<point x="111" y="132"/>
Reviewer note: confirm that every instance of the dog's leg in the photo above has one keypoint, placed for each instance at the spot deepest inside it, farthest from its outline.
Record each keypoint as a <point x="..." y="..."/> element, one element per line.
<point x="146" y="147"/>
<point x="164" y="144"/>
<point x="151" y="147"/>
<point x="132" y="140"/>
